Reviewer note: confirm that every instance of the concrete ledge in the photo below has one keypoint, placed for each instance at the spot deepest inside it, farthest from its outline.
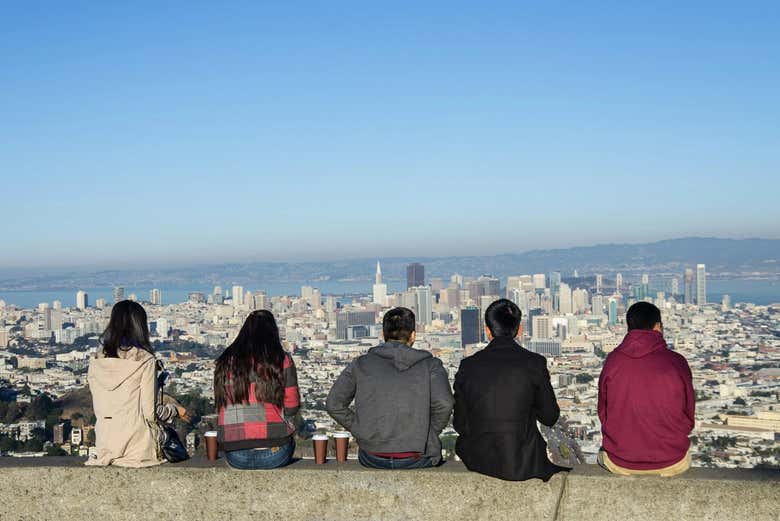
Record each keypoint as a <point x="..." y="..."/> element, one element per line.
<point x="62" y="489"/>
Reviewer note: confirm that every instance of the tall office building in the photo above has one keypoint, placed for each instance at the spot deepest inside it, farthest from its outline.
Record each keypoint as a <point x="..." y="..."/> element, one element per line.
<point x="599" y="282"/>
<point x="424" y="305"/>
<point x="119" y="294"/>
<point x="380" y="288"/>
<point x="674" y="286"/>
<point x="260" y="301"/>
<point x="580" y="300"/>
<point x="597" y="304"/>
<point x="565" y="303"/>
<point x="470" y="332"/>
<point x="539" y="281"/>
<point x="238" y="296"/>
<point x="155" y="297"/>
<point x="316" y="299"/>
<point x="415" y="275"/>
<point x="612" y="312"/>
<point x="619" y="282"/>
<point x="82" y="300"/>
<point x="218" y="298"/>
<point x="542" y="327"/>
<point x="688" y="280"/>
<point x="725" y="304"/>
<point x="701" y="284"/>
<point x="555" y="281"/>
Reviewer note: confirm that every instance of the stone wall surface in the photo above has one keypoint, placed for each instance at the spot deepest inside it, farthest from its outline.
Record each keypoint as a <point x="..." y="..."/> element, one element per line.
<point x="62" y="490"/>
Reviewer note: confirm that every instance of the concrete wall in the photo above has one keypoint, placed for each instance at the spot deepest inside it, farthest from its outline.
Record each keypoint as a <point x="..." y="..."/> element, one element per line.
<point x="62" y="490"/>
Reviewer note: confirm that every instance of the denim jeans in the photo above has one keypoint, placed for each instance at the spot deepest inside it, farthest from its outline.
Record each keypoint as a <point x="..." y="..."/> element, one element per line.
<point x="257" y="459"/>
<point x="376" y="462"/>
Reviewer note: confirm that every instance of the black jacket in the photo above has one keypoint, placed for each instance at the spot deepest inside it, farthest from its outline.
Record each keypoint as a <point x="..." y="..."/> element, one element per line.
<point x="402" y="400"/>
<point x="500" y="393"/>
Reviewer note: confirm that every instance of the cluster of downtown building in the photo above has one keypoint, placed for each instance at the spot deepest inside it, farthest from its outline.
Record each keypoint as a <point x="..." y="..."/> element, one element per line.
<point x="573" y="321"/>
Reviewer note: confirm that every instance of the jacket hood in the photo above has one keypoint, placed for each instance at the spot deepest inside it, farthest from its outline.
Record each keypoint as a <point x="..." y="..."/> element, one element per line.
<point x="110" y="373"/>
<point x="641" y="342"/>
<point x="403" y="357"/>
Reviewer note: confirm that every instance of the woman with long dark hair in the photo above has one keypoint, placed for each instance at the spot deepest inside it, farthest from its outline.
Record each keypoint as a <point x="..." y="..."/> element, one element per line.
<point x="256" y="394"/>
<point x="123" y="382"/>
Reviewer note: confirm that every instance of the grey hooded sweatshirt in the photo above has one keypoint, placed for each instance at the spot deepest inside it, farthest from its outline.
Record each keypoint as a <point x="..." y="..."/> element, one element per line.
<point x="402" y="400"/>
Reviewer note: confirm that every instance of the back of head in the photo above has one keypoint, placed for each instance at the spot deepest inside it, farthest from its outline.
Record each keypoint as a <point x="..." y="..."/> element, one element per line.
<point x="643" y="315"/>
<point x="398" y="325"/>
<point x="503" y="318"/>
<point x="257" y="349"/>
<point x="128" y="327"/>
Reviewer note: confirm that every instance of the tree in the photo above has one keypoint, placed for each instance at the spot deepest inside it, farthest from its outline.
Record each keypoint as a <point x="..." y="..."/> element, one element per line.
<point x="583" y="378"/>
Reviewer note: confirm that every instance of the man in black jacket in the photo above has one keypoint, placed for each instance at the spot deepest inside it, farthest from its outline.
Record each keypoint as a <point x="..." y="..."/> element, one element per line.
<point x="402" y="399"/>
<point x="500" y="393"/>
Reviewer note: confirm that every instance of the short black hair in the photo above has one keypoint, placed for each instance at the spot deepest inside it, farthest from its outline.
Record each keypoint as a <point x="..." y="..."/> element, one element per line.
<point x="503" y="317"/>
<point x="398" y="325"/>
<point x="643" y="315"/>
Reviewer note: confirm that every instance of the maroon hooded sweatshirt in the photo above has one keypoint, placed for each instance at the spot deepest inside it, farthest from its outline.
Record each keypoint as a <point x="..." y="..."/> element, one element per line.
<point x="646" y="403"/>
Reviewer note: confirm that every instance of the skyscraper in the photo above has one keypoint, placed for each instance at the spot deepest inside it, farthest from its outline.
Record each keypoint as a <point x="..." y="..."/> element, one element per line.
<point x="688" y="280"/>
<point x="555" y="281"/>
<point x="380" y="288"/>
<point x="424" y="305"/>
<point x="469" y="326"/>
<point x="599" y="283"/>
<point x="701" y="284"/>
<point x="119" y="294"/>
<point x="82" y="299"/>
<point x="542" y="327"/>
<point x="675" y="286"/>
<point x="612" y="312"/>
<point x="619" y="282"/>
<point x="415" y="275"/>
<point x="238" y="296"/>
<point x="155" y="297"/>
<point x="565" y="302"/>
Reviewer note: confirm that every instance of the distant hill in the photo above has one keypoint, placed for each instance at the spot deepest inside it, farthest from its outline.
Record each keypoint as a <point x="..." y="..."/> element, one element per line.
<point x="731" y="257"/>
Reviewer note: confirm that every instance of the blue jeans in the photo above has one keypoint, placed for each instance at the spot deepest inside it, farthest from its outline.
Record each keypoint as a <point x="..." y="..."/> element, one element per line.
<point x="256" y="459"/>
<point x="377" y="462"/>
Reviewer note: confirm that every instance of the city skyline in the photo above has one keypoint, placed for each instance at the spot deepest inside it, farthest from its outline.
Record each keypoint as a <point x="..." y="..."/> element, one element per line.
<point x="268" y="132"/>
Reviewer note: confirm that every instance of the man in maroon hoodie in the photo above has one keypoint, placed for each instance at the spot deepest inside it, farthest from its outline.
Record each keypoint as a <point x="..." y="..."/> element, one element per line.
<point x="646" y="401"/>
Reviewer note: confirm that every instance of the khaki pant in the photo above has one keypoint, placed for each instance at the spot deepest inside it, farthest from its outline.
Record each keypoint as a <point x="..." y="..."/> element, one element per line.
<point x="672" y="470"/>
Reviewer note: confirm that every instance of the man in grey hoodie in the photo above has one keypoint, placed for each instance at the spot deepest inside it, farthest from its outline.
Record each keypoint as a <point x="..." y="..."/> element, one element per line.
<point x="402" y="399"/>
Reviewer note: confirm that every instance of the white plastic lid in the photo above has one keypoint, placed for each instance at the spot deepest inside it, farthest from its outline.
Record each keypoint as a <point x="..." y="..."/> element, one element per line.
<point x="319" y="437"/>
<point x="210" y="434"/>
<point x="341" y="435"/>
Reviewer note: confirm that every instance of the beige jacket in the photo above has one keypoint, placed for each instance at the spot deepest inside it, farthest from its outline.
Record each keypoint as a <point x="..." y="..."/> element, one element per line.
<point x="123" y="395"/>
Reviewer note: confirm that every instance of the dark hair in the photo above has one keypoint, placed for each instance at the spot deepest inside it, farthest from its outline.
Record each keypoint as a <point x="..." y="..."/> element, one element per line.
<point x="503" y="317"/>
<point x="398" y="325"/>
<point x="642" y="315"/>
<point x="256" y="352"/>
<point x="127" y="328"/>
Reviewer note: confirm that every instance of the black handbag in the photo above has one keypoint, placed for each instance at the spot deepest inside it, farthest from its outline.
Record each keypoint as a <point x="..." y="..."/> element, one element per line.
<point x="171" y="446"/>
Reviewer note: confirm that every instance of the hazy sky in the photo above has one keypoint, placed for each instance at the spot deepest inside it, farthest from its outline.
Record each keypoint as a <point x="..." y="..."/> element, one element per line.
<point x="204" y="132"/>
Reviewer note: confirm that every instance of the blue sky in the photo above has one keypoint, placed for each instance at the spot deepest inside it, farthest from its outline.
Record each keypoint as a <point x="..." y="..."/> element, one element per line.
<point x="207" y="132"/>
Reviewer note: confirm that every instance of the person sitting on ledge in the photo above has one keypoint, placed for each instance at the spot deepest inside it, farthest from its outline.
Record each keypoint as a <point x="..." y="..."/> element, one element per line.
<point x="257" y="398"/>
<point x="402" y="399"/>
<point x="500" y="394"/>
<point x="646" y="401"/>
<point x="123" y="382"/>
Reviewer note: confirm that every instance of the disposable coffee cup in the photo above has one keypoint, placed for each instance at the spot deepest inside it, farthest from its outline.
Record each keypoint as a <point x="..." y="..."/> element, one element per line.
<point x="320" y="442"/>
<point x="342" y="446"/>
<point x="212" y="445"/>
